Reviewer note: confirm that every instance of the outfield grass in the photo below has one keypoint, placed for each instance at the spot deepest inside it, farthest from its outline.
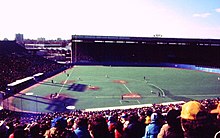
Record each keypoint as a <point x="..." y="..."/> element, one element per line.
<point x="176" y="84"/>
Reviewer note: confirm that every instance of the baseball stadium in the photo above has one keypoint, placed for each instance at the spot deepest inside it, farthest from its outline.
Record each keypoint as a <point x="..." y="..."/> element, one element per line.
<point x="117" y="72"/>
<point x="110" y="73"/>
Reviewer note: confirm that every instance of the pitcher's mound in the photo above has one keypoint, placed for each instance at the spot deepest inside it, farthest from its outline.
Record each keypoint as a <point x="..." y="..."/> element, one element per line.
<point x="120" y="81"/>
<point x="94" y="88"/>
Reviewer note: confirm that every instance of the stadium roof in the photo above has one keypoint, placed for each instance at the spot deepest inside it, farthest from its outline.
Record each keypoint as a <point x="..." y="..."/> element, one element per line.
<point x="158" y="40"/>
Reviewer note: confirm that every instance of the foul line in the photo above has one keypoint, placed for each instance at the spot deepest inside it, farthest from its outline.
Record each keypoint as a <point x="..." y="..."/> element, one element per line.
<point x="65" y="82"/>
<point x="120" y="101"/>
<point x="130" y="92"/>
<point x="127" y="88"/>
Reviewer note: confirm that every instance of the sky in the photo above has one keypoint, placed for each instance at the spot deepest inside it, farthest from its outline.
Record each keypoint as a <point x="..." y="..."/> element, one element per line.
<point x="52" y="19"/>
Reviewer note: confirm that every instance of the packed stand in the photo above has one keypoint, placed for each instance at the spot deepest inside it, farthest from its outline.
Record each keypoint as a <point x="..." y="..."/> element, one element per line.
<point x="14" y="67"/>
<point x="193" y="119"/>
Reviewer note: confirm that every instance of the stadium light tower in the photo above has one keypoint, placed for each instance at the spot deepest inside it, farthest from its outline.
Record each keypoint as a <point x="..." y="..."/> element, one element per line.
<point x="158" y="35"/>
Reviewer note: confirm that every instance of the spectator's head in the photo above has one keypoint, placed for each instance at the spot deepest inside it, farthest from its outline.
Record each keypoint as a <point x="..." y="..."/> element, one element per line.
<point x="216" y="111"/>
<point x="81" y="122"/>
<point x="132" y="118"/>
<point x="124" y="117"/>
<point x="19" y="132"/>
<point x="154" y="117"/>
<point x="59" y="123"/>
<point x="195" y="121"/>
<point x="35" y="129"/>
<point x="173" y="118"/>
<point x="70" y="122"/>
<point x="98" y="127"/>
<point x="111" y="119"/>
<point x="190" y="110"/>
<point x="147" y="120"/>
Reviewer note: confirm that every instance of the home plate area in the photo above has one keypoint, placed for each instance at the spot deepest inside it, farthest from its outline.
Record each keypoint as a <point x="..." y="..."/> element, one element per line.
<point x="131" y="96"/>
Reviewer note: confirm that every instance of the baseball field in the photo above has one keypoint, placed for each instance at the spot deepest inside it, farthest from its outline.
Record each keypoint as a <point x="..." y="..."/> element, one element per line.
<point x="90" y="87"/>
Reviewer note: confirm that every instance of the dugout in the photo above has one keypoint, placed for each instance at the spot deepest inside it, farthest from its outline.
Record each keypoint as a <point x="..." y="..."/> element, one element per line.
<point x="117" y="50"/>
<point x="21" y="84"/>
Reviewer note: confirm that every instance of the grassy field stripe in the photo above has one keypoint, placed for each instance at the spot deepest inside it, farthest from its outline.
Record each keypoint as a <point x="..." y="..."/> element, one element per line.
<point x="138" y="101"/>
<point x="127" y="88"/>
<point x="108" y="97"/>
<point x="198" y="95"/>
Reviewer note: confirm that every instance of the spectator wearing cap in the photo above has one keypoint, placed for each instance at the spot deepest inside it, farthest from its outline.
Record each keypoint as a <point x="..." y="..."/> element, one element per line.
<point x="172" y="129"/>
<point x="58" y="129"/>
<point x="124" y="117"/>
<point x="216" y="112"/>
<point x="152" y="130"/>
<point x="196" y="122"/>
<point x="148" y="119"/>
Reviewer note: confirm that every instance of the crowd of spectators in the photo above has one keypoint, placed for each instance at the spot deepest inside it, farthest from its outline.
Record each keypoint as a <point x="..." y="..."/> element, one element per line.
<point x="193" y="119"/>
<point x="17" y="63"/>
<point x="14" y="67"/>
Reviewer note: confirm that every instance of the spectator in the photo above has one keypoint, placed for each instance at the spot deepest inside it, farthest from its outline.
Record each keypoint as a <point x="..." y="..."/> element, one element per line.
<point x="216" y="112"/>
<point x="154" y="127"/>
<point x="196" y="122"/>
<point x="133" y="129"/>
<point x="81" y="127"/>
<point x="58" y="129"/>
<point x="119" y="129"/>
<point x="3" y="129"/>
<point x="35" y="131"/>
<point x="55" y="124"/>
<point x="19" y="132"/>
<point x="172" y="129"/>
<point x="98" y="127"/>
<point x="147" y="119"/>
<point x="111" y="125"/>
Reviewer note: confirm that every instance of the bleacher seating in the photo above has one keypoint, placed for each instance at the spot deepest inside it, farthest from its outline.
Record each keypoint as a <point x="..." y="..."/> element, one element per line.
<point x="17" y="63"/>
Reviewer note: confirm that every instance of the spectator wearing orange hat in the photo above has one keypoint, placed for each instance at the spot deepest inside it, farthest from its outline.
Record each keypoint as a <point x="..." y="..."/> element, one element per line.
<point x="216" y="111"/>
<point x="196" y="122"/>
<point x="217" y="121"/>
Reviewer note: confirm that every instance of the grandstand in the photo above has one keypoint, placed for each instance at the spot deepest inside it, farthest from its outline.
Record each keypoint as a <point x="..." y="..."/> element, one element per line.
<point x="144" y="50"/>
<point x="17" y="63"/>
